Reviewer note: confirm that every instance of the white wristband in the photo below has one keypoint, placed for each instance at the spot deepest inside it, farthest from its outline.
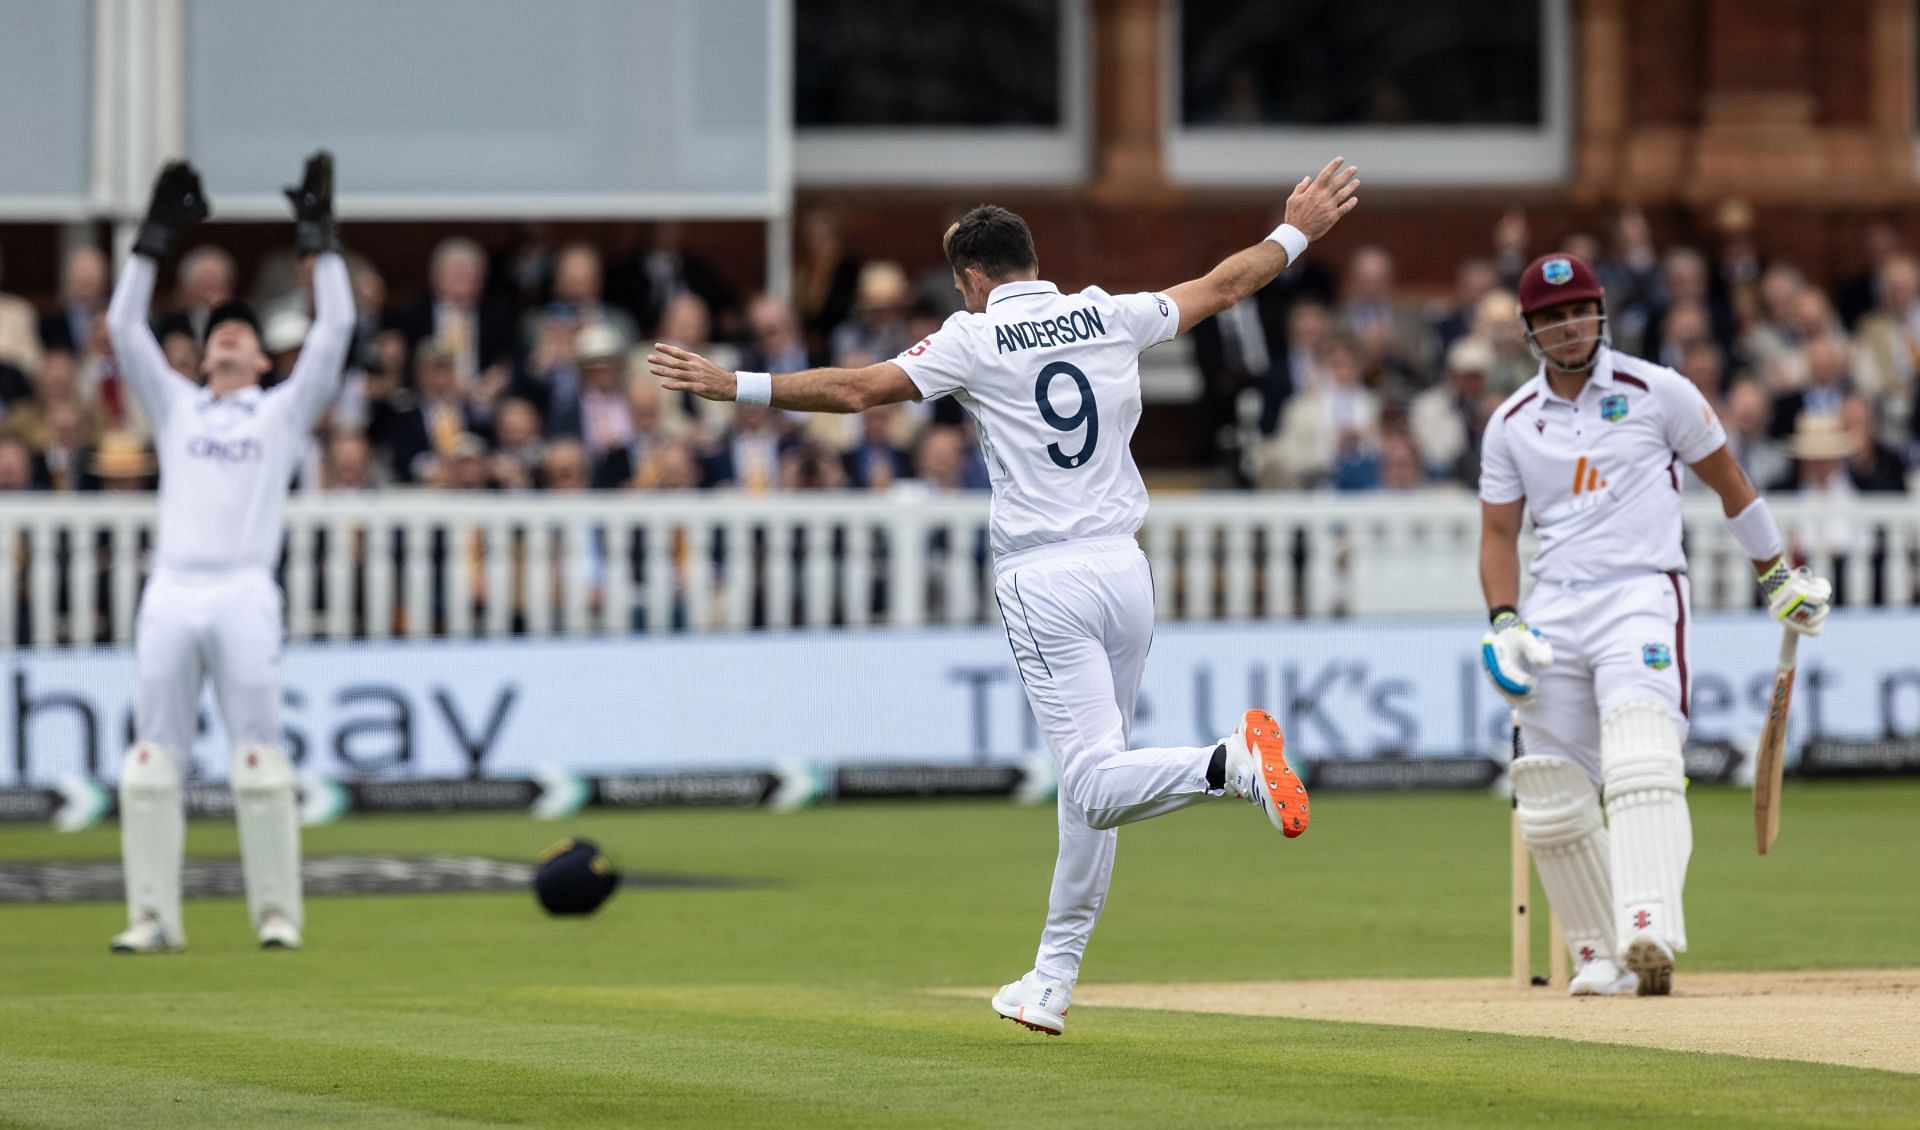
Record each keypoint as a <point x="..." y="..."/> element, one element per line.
<point x="753" y="388"/>
<point x="1292" y="239"/>
<point x="1756" y="532"/>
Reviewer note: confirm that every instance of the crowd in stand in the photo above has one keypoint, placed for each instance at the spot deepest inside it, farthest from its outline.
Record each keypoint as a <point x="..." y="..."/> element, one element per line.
<point x="521" y="369"/>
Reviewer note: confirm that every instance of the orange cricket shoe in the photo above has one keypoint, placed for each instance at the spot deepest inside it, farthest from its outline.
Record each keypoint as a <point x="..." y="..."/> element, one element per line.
<point x="1257" y="770"/>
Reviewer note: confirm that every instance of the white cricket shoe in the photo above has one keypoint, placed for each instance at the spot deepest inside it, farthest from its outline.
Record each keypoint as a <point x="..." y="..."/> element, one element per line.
<point x="1652" y="962"/>
<point x="1257" y="772"/>
<point x="146" y="935"/>
<point x="1035" y="1003"/>
<point x="1601" y="977"/>
<point x="276" y="933"/>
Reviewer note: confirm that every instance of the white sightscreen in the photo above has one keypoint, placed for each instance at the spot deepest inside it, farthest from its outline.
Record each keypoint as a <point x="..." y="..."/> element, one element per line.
<point x="489" y="106"/>
<point x="46" y="104"/>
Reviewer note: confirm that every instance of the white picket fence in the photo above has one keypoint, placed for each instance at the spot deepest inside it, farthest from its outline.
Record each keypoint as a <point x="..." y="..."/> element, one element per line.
<point x="421" y="564"/>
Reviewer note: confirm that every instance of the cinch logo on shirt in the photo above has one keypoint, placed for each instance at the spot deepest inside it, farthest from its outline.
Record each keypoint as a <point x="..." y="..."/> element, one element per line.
<point x="1080" y="325"/>
<point x="223" y="450"/>
<point x="1586" y="478"/>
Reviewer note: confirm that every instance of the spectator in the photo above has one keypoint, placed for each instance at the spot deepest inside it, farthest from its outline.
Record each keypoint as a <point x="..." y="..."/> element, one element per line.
<point x="461" y="466"/>
<point x="1829" y="365"/>
<point x="1441" y="421"/>
<point x="1473" y="280"/>
<point x="1860" y="293"/>
<point x="1736" y="278"/>
<point x="281" y="338"/>
<point x="480" y="334"/>
<point x="578" y="281"/>
<point x="807" y="465"/>
<point x="19" y="332"/>
<point x="1682" y="327"/>
<point x="1497" y="322"/>
<point x="1323" y="429"/>
<point x="179" y="345"/>
<point x="1400" y="463"/>
<point x="16" y="467"/>
<point x="516" y="444"/>
<point x="1394" y="341"/>
<point x="564" y="467"/>
<point x="1241" y="348"/>
<point x="1773" y="338"/>
<point x="349" y="465"/>
<point x="83" y="301"/>
<point x="1684" y="281"/>
<point x="1702" y="365"/>
<point x="646" y="282"/>
<point x="940" y="462"/>
<point x="1874" y="467"/>
<point x="1748" y="419"/>
<point x="205" y="278"/>
<point x="652" y="428"/>
<point x="774" y="341"/>
<point x="878" y="329"/>
<point x="686" y="325"/>
<point x="1631" y="277"/>
<point x="606" y="421"/>
<point x="1889" y="337"/>
<point x="826" y="279"/>
<point x="673" y="466"/>
<point x="749" y="457"/>
<point x="876" y="461"/>
<point x="416" y="427"/>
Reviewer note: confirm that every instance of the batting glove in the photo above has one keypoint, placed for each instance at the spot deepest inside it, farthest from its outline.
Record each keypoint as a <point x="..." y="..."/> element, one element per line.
<point x="1511" y="652"/>
<point x="1797" y="598"/>
<point x="312" y="201"/>
<point x="177" y="203"/>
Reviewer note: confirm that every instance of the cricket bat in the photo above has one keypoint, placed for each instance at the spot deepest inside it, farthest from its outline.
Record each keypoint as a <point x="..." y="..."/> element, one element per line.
<point x="1769" y="762"/>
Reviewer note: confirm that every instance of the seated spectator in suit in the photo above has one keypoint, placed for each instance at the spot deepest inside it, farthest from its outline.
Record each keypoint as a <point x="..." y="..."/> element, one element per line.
<point x="652" y="429"/>
<point x="349" y="468"/>
<point x="1441" y="421"/>
<point x="774" y="342"/>
<point x="416" y="427"/>
<point x="1394" y="340"/>
<point x="1889" y="339"/>
<point x="687" y="325"/>
<point x="16" y="469"/>
<point x="564" y="467"/>
<point x="876" y="461"/>
<point x="1473" y="280"/>
<point x="1748" y="418"/>
<point x="748" y="457"/>
<point x="517" y="446"/>
<point x="578" y="281"/>
<point x="806" y="465"/>
<point x="83" y="298"/>
<point x="1400" y="463"/>
<point x="1874" y="467"/>
<point x="644" y="283"/>
<point x="606" y="420"/>
<point x="878" y="328"/>
<point x="455" y="312"/>
<point x="1829" y="383"/>
<point x="120" y="463"/>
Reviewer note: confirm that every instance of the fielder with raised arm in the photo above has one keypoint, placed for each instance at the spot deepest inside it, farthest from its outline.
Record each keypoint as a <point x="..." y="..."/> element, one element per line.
<point x="1053" y="381"/>
<point x="211" y="609"/>
<point x="1595" y="663"/>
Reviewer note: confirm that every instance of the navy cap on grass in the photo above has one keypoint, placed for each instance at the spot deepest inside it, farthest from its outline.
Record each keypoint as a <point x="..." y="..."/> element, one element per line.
<point x="574" y="878"/>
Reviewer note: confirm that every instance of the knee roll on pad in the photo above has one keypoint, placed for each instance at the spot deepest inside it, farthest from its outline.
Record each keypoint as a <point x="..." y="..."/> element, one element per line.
<point x="1640" y="749"/>
<point x="1650" y="830"/>
<point x="260" y="768"/>
<point x="148" y="767"/>
<point x="1559" y="812"/>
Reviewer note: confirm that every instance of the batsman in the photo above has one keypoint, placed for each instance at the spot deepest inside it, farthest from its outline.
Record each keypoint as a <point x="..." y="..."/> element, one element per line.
<point x="211" y="610"/>
<point x="1594" y="446"/>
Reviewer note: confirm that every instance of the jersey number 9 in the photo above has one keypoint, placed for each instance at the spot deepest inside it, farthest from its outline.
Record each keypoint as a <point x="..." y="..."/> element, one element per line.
<point x="1088" y="413"/>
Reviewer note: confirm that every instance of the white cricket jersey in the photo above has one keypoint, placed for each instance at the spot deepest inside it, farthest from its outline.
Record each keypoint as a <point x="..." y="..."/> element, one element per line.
<point x="1054" y="382"/>
<point x="1601" y="474"/>
<point x="226" y="463"/>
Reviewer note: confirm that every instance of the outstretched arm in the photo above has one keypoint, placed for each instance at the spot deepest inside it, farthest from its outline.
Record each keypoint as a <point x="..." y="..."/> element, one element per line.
<point x="1316" y="205"/>
<point x="316" y="376"/>
<point x="814" y="390"/>
<point x="177" y="203"/>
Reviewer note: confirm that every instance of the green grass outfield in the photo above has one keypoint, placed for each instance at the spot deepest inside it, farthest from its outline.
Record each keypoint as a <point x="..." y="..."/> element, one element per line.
<point x="804" y="1003"/>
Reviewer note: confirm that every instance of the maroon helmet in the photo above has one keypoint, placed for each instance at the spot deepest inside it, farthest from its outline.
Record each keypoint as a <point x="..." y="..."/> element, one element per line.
<point x="1555" y="280"/>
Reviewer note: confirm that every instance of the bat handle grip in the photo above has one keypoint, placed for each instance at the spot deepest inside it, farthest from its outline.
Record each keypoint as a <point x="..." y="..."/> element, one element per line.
<point x="1789" y="648"/>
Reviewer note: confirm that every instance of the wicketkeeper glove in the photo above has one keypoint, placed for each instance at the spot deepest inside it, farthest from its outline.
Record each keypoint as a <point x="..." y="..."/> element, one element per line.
<point x="177" y="203"/>
<point x="1797" y="598"/>
<point x="1511" y="652"/>
<point x="312" y="203"/>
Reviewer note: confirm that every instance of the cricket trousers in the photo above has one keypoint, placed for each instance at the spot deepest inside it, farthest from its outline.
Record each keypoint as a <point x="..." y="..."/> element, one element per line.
<point x="1079" y="616"/>
<point x="223" y="625"/>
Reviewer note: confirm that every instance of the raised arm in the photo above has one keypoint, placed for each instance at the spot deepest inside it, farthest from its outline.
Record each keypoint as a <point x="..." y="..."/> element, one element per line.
<point x="315" y="379"/>
<point x="1316" y="205"/>
<point x="177" y="202"/>
<point x="813" y="390"/>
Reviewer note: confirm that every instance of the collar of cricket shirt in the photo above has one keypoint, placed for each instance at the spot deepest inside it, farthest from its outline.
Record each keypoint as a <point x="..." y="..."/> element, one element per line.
<point x="1021" y="289"/>
<point x="1601" y="377"/>
<point x="247" y="397"/>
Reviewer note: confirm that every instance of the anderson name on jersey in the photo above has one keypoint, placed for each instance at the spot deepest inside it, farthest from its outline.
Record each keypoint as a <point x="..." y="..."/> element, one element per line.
<point x="1053" y="380"/>
<point x="1601" y="474"/>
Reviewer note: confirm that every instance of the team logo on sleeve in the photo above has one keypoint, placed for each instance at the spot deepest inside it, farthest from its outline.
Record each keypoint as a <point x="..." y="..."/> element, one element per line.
<point x="1613" y="409"/>
<point x="1559" y="272"/>
<point x="1657" y="656"/>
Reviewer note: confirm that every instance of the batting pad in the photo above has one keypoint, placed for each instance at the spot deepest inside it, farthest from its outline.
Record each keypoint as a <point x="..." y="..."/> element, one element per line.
<point x="1647" y="813"/>
<point x="153" y="831"/>
<point x="1559" y="813"/>
<point x="263" y="796"/>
